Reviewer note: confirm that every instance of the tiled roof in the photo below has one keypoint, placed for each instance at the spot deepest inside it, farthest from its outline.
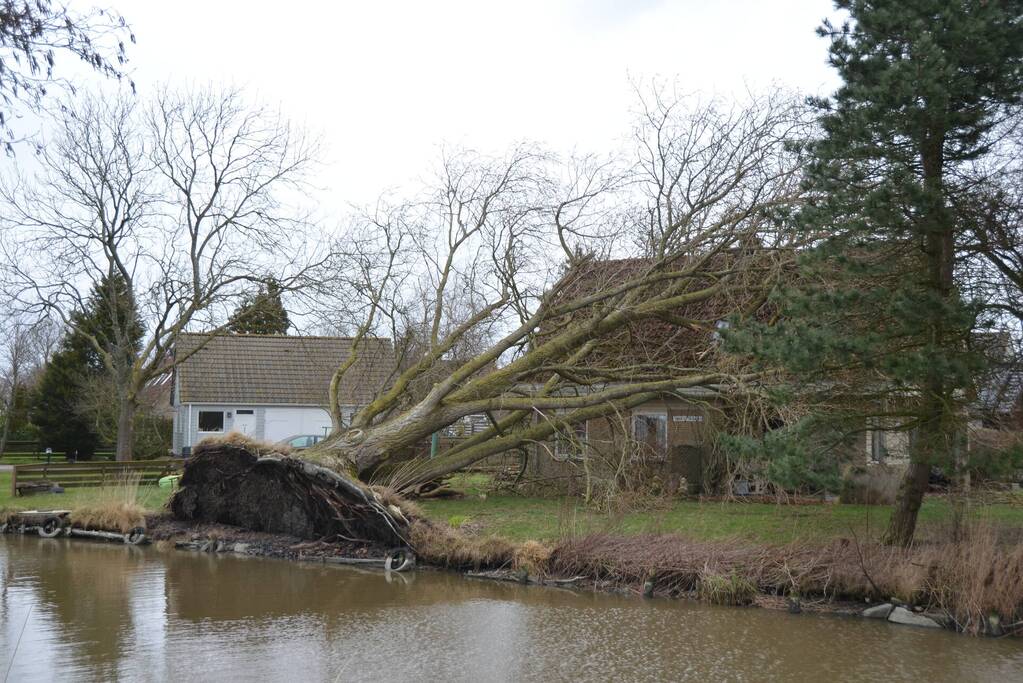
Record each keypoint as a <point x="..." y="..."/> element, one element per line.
<point x="276" y="369"/>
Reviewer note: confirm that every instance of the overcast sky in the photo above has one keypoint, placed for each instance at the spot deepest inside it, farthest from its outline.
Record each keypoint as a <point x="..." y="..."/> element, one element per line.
<point x="386" y="84"/>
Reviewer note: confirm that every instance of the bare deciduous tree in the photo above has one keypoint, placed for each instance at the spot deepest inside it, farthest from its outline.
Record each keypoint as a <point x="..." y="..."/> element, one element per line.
<point x="34" y="35"/>
<point x="178" y="208"/>
<point x="25" y="346"/>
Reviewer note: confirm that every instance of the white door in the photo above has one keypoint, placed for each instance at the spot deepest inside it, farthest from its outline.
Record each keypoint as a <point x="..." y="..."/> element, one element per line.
<point x="245" y="422"/>
<point x="282" y="423"/>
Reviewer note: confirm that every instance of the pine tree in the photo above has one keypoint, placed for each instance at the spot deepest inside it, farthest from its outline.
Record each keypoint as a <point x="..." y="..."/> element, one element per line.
<point x="925" y="85"/>
<point x="262" y="313"/>
<point x="55" y="406"/>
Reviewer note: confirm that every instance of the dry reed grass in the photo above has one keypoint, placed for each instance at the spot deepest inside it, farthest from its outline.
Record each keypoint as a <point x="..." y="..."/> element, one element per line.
<point x="388" y="496"/>
<point x="234" y="439"/>
<point x="969" y="580"/>
<point x="440" y="545"/>
<point x="115" y="508"/>
<point x="533" y="557"/>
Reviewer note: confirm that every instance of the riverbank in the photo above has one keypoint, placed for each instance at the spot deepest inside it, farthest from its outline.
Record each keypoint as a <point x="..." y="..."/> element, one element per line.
<point x="816" y="557"/>
<point x="973" y="585"/>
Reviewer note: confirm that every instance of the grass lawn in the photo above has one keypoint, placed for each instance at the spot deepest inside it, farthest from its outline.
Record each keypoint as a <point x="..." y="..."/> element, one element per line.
<point x="150" y="497"/>
<point x="520" y="518"/>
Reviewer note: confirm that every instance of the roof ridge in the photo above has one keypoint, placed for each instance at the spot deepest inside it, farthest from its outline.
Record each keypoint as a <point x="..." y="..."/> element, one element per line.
<point x="232" y="335"/>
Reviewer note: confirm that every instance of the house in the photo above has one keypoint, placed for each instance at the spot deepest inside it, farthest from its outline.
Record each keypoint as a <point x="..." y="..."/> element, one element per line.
<point x="269" y="387"/>
<point x="667" y="439"/>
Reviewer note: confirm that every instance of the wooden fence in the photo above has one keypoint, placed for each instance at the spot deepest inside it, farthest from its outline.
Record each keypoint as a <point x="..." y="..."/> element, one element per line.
<point x="41" y="476"/>
<point x="25" y="452"/>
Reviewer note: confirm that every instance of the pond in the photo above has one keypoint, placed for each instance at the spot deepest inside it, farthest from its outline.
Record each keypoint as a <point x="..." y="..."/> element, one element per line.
<point x="76" y="610"/>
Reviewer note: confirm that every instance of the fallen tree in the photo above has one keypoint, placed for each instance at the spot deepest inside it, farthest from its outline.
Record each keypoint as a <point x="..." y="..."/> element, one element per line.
<point x="535" y="295"/>
<point x="511" y="292"/>
<point x="255" y="486"/>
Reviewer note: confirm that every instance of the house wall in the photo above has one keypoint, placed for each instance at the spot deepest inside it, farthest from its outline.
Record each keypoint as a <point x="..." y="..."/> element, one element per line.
<point x="610" y="439"/>
<point x="271" y="423"/>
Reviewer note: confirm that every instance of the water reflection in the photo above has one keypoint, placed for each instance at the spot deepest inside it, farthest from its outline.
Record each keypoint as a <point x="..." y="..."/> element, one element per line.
<point x="103" y="612"/>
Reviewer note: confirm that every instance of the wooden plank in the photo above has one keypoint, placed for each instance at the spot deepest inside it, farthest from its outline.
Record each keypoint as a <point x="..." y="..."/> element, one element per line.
<point x="73" y="475"/>
<point x="106" y="466"/>
<point x="113" y="470"/>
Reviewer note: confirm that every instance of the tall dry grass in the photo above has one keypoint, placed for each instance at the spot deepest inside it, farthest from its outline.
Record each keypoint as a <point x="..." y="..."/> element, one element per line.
<point x="970" y="579"/>
<point x="115" y="507"/>
<point x="235" y="439"/>
<point x="441" y="545"/>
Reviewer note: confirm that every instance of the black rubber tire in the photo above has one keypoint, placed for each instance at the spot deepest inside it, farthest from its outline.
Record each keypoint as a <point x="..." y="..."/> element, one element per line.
<point x="136" y="536"/>
<point x="399" y="560"/>
<point x="51" y="527"/>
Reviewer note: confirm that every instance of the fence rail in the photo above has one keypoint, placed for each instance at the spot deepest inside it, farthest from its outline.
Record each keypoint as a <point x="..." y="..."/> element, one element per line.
<point x="25" y="478"/>
<point x="20" y="451"/>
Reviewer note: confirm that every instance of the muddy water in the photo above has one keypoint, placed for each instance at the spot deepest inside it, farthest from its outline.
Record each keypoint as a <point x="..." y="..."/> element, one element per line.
<point x="91" y="611"/>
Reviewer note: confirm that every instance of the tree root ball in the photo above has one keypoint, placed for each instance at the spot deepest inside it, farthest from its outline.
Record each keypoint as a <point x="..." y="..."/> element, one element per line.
<point x="231" y="482"/>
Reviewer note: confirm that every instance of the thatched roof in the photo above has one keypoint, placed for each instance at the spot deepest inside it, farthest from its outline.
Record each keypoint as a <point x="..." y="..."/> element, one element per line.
<point x="277" y="369"/>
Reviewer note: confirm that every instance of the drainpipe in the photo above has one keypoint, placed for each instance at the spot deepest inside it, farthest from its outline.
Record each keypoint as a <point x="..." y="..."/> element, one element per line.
<point x="434" y="444"/>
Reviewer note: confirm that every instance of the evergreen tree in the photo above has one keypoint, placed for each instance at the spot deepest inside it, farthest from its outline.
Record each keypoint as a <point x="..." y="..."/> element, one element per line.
<point x="925" y="85"/>
<point x="110" y="323"/>
<point x="55" y="406"/>
<point x="261" y="313"/>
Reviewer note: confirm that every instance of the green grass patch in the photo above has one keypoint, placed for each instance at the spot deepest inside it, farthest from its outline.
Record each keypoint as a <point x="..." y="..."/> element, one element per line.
<point x="151" y="497"/>
<point x="519" y="518"/>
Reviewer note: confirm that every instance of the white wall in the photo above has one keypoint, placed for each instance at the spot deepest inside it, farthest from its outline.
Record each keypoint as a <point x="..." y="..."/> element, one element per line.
<point x="273" y="423"/>
<point x="284" y="422"/>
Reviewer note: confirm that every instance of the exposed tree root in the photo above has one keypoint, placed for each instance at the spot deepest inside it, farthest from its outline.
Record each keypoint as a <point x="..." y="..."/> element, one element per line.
<point x="243" y="483"/>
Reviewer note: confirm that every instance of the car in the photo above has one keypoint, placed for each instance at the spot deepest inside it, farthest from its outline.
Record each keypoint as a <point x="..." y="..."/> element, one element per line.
<point x="300" y="441"/>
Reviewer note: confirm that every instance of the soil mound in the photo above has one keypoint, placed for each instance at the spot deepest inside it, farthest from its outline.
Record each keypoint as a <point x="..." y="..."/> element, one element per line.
<point x="232" y="482"/>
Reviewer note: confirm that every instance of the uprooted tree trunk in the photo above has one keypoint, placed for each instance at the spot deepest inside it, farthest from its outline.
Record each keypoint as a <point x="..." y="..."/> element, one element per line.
<point x="233" y="482"/>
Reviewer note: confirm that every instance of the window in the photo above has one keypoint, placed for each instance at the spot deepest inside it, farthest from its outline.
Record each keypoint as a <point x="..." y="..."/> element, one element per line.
<point x="570" y="441"/>
<point x="211" y="420"/>
<point x="877" y="442"/>
<point x="877" y="446"/>
<point x="302" y="441"/>
<point x="650" y="430"/>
